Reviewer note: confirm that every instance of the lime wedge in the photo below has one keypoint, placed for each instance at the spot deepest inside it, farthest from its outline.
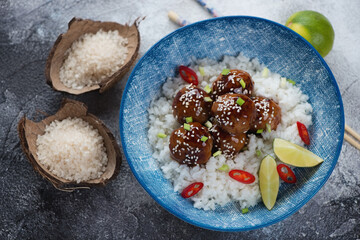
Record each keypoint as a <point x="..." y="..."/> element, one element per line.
<point x="295" y="155"/>
<point x="268" y="181"/>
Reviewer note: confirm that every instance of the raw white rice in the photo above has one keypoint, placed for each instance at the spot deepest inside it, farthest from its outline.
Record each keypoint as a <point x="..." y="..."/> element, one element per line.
<point x="93" y="58"/>
<point x="72" y="149"/>
<point x="219" y="189"/>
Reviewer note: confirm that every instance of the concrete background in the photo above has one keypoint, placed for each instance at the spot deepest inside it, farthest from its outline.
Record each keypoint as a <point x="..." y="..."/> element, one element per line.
<point x="30" y="208"/>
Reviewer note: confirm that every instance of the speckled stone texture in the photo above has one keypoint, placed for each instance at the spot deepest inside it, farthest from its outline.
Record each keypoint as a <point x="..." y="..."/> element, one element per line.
<point x="31" y="208"/>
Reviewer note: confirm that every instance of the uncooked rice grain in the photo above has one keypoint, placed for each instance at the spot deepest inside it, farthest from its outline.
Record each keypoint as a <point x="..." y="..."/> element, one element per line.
<point x="92" y="58"/>
<point x="72" y="149"/>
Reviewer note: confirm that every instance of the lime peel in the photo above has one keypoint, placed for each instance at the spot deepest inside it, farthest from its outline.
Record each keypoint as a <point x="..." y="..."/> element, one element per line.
<point x="315" y="28"/>
<point x="295" y="155"/>
<point x="268" y="181"/>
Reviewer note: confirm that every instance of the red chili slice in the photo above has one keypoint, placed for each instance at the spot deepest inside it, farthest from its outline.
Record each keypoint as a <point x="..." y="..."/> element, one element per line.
<point x="303" y="132"/>
<point x="188" y="75"/>
<point x="286" y="174"/>
<point x="242" y="176"/>
<point x="192" y="189"/>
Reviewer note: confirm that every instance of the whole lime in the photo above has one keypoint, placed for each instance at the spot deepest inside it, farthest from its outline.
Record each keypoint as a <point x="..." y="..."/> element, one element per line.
<point x="315" y="28"/>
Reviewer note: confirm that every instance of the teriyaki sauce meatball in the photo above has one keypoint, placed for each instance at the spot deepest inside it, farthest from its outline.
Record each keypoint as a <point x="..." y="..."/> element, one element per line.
<point x="192" y="101"/>
<point x="229" y="144"/>
<point x="234" y="112"/>
<point x="235" y="81"/>
<point x="267" y="112"/>
<point x="191" y="144"/>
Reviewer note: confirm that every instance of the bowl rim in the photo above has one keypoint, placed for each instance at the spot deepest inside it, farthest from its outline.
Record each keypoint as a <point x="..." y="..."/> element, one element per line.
<point x="281" y="217"/>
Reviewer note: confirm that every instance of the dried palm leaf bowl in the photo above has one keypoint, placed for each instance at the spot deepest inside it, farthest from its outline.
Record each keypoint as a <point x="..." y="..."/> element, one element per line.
<point x="78" y="27"/>
<point x="29" y="132"/>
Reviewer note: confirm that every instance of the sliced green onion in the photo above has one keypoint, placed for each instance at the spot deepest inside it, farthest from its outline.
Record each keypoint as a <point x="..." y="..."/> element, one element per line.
<point x="268" y="127"/>
<point x="224" y="168"/>
<point x="204" y="139"/>
<point x="240" y="101"/>
<point x="208" y="124"/>
<point x="258" y="153"/>
<point x="161" y="135"/>
<point x="259" y="130"/>
<point x="291" y="81"/>
<point x="265" y="72"/>
<point x="207" y="99"/>
<point x="283" y="82"/>
<point x="218" y="153"/>
<point x="188" y="119"/>
<point x="187" y="126"/>
<point x="244" y="210"/>
<point x="201" y="70"/>
<point x="207" y="89"/>
<point x="225" y="71"/>
<point x="242" y="83"/>
<point x="244" y="148"/>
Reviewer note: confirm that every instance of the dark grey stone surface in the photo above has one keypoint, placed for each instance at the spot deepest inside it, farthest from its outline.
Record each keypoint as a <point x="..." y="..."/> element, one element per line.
<point x="31" y="208"/>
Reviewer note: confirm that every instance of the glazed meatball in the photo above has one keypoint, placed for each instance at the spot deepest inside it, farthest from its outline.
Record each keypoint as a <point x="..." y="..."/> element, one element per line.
<point x="229" y="144"/>
<point x="234" y="112"/>
<point x="190" y="102"/>
<point x="267" y="112"/>
<point x="192" y="146"/>
<point x="230" y="83"/>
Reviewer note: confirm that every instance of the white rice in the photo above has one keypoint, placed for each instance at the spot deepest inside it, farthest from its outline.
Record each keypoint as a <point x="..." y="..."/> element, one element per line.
<point x="219" y="189"/>
<point x="72" y="149"/>
<point x="93" y="58"/>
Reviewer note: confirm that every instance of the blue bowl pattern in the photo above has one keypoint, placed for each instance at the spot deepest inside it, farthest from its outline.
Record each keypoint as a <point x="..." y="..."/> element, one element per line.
<point x="284" y="52"/>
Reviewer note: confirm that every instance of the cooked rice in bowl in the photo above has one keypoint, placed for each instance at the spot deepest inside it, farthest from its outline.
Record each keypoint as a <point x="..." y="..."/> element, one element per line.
<point x="219" y="189"/>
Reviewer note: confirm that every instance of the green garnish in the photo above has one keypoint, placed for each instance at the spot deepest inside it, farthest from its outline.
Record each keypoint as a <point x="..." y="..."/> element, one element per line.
<point x="244" y="210"/>
<point x="208" y="124"/>
<point x="291" y="81"/>
<point x="268" y="127"/>
<point x="283" y="82"/>
<point x="240" y="101"/>
<point x="244" y="148"/>
<point x="217" y="153"/>
<point x="187" y="126"/>
<point x="224" y="168"/>
<point x="225" y="71"/>
<point x="207" y="89"/>
<point x="259" y="130"/>
<point x="242" y="83"/>
<point x="258" y="153"/>
<point x="201" y="70"/>
<point x="265" y="72"/>
<point x="207" y="99"/>
<point x="161" y="135"/>
<point x="188" y="119"/>
<point x="204" y="139"/>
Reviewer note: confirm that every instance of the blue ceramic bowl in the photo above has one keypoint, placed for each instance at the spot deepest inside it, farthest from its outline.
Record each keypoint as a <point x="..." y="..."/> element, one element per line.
<point x="284" y="52"/>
